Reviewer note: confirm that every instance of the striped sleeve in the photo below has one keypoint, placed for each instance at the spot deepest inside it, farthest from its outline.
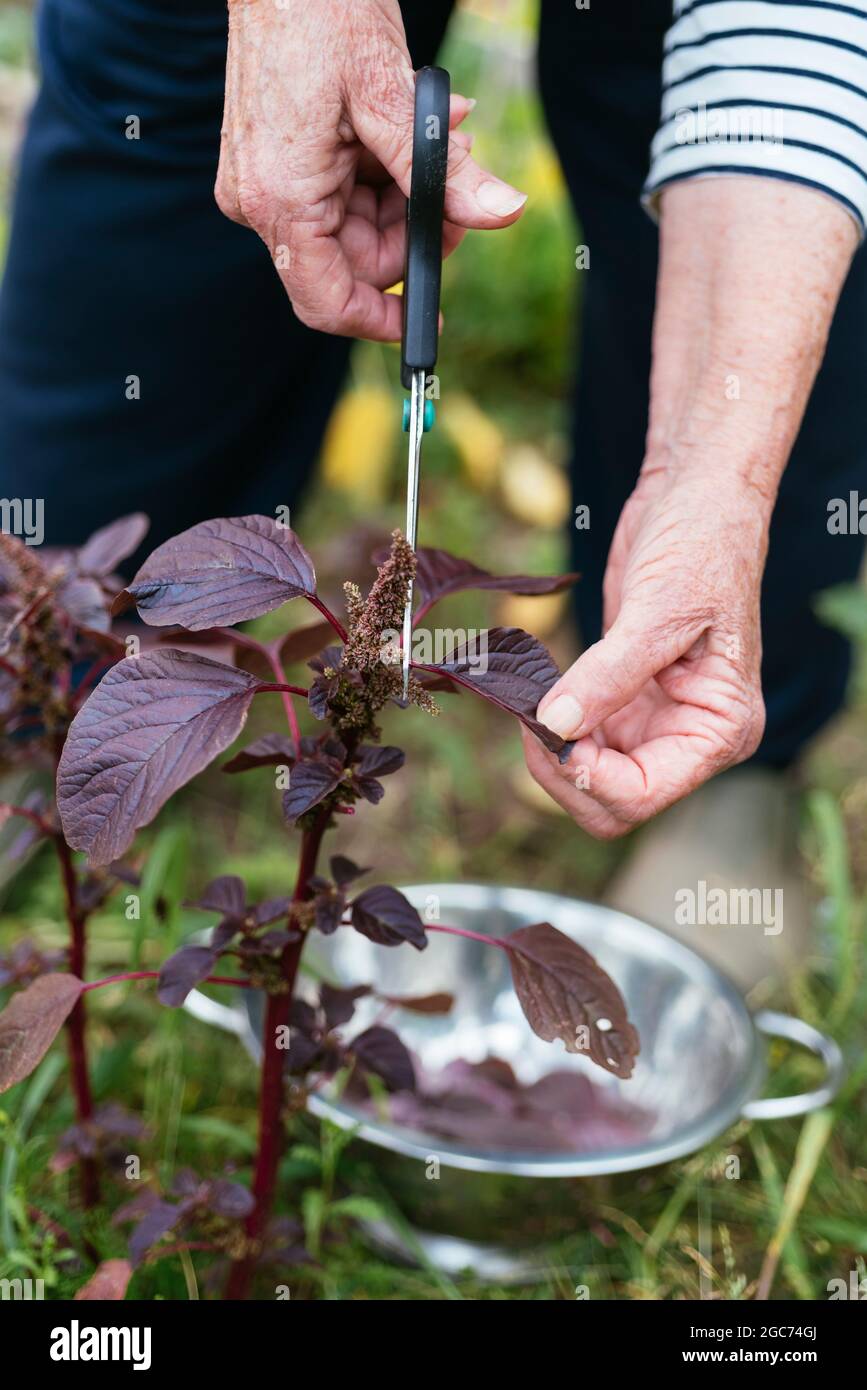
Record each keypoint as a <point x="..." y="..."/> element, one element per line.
<point x="770" y="87"/>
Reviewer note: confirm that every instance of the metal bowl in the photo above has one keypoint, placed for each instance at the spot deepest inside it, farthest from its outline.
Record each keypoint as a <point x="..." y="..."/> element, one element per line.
<point x="702" y="1063"/>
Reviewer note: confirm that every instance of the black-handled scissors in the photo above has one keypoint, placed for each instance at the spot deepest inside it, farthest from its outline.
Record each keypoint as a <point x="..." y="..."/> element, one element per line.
<point x="421" y="287"/>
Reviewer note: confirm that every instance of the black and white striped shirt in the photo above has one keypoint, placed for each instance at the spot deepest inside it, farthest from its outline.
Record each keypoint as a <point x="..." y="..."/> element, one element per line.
<point x="772" y="87"/>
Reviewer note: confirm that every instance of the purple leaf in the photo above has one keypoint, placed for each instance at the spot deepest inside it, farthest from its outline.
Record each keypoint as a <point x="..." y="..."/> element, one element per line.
<point x="221" y="572"/>
<point x="302" y="1051"/>
<point x="329" y="659"/>
<point x="273" y="942"/>
<point x="380" y="1051"/>
<point x="302" y="1016"/>
<point x="385" y="916"/>
<point x="311" y="780"/>
<point x="369" y="788"/>
<point x="319" y="694"/>
<point x="339" y="1004"/>
<point x="182" y="972"/>
<point x="374" y="761"/>
<point x="438" y="573"/>
<point x="30" y="1023"/>
<point x="85" y="603"/>
<point x="230" y="1199"/>
<point x="519" y="671"/>
<point x="152" y="723"/>
<point x="344" y="871"/>
<point x="272" y="750"/>
<point x="271" y="910"/>
<point x="421" y="1003"/>
<point x="105" y="549"/>
<point x="329" y="907"/>
<point x="563" y="992"/>
<point x="305" y="642"/>
<point x="226" y="894"/>
<point x="160" y="1218"/>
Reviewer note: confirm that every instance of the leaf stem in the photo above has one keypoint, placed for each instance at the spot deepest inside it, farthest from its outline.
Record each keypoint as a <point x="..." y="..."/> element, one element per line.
<point x="155" y="974"/>
<point x="291" y="717"/>
<point x="32" y="816"/>
<point x="275" y="687"/>
<point x="470" y="935"/>
<point x="328" y="616"/>
<point x="76" y="1023"/>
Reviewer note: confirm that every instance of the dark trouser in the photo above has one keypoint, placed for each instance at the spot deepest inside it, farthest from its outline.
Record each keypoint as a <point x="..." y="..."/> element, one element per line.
<point x="123" y="279"/>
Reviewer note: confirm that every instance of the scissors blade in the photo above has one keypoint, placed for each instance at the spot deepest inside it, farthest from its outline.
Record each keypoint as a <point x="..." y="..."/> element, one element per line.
<point x="416" y="429"/>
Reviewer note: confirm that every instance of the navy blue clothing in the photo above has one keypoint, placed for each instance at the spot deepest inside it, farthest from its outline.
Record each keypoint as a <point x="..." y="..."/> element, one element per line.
<point x="120" y="266"/>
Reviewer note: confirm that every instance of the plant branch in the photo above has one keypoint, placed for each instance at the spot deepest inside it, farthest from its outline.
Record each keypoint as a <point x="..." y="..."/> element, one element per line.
<point x="456" y="931"/>
<point x="32" y="816"/>
<point x="328" y="616"/>
<point x="275" y="687"/>
<point x="470" y="935"/>
<point x="155" y="974"/>
<point x="76" y="1023"/>
<point x="273" y="1066"/>
<point x="241" y="639"/>
<point x="291" y="717"/>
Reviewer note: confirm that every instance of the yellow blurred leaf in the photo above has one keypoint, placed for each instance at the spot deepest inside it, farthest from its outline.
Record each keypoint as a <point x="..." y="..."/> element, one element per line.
<point x="359" y="443"/>
<point x="537" y="615"/>
<point x="478" y="441"/>
<point x="535" y="490"/>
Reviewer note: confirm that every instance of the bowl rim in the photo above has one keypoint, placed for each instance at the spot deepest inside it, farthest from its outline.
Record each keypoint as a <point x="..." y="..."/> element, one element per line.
<point x="700" y="1131"/>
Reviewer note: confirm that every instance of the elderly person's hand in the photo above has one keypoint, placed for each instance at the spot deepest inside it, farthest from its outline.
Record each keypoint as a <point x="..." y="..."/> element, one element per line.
<point x="316" y="156"/>
<point x="672" y="692"/>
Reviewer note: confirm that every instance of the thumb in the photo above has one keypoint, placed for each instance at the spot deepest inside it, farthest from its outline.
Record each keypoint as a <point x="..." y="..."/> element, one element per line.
<point x="383" y="121"/>
<point x="602" y="681"/>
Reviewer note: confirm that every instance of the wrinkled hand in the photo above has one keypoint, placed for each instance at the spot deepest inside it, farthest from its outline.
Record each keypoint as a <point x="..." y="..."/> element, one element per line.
<point x="671" y="695"/>
<point x="316" y="156"/>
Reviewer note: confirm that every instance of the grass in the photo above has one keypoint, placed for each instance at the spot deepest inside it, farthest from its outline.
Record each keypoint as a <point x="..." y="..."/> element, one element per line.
<point x="795" y="1216"/>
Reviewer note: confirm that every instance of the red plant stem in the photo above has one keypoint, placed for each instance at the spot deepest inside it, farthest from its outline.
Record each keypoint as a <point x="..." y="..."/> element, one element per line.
<point x="76" y="1023"/>
<point x="470" y="935"/>
<point x="458" y="931"/>
<point x="242" y="640"/>
<point x="422" y="612"/>
<point x="328" y="616"/>
<point x="271" y="1086"/>
<point x="291" y="716"/>
<point x="32" y="816"/>
<point x="270" y="688"/>
<point x="32" y="608"/>
<point x="155" y="974"/>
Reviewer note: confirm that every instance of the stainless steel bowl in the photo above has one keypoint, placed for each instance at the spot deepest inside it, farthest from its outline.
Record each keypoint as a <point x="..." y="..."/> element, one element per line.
<point x="702" y="1064"/>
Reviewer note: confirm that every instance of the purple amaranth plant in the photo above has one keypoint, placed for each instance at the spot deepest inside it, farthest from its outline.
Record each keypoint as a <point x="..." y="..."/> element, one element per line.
<point x="159" y="718"/>
<point x="55" y="644"/>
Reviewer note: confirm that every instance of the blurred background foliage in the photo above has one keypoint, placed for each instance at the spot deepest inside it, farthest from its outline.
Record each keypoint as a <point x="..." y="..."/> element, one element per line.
<point x="495" y="489"/>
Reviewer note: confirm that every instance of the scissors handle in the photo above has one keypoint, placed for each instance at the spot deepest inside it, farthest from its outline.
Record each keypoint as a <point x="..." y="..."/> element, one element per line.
<point x="424" y="224"/>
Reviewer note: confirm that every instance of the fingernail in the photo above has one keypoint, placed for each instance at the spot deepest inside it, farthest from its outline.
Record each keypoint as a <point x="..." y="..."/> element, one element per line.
<point x="564" y="716"/>
<point x="471" y="104"/>
<point x="500" y="199"/>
